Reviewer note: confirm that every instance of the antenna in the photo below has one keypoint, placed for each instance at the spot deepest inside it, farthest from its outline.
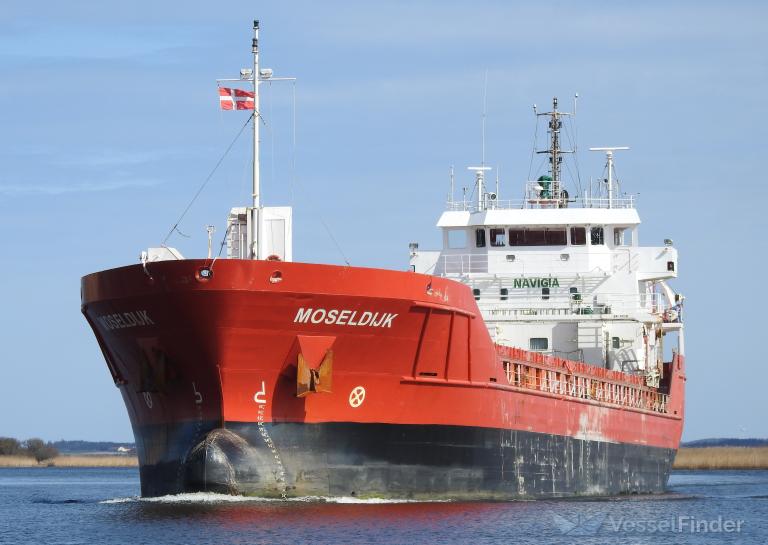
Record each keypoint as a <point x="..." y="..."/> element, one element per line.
<point x="452" y="176"/>
<point x="485" y="109"/>
<point x="609" y="165"/>
<point x="482" y="197"/>
<point x="576" y="134"/>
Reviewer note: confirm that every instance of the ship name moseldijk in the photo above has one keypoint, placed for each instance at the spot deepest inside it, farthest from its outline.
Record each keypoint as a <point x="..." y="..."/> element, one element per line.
<point x="344" y="317"/>
<point x="121" y="320"/>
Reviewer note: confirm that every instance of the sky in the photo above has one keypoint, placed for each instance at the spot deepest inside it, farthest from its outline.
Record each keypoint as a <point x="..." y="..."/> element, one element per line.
<point x="110" y="123"/>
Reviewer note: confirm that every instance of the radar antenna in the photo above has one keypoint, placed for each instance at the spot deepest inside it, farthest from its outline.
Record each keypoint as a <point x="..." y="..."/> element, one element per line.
<point x="482" y="196"/>
<point x="609" y="165"/>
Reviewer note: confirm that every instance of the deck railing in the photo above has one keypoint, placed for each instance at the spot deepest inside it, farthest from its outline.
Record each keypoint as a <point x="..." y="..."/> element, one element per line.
<point x="522" y="260"/>
<point x="496" y="306"/>
<point x="578" y="380"/>
<point x="533" y="201"/>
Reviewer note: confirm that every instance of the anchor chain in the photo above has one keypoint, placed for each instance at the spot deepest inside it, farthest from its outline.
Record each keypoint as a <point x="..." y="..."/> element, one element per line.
<point x="275" y="454"/>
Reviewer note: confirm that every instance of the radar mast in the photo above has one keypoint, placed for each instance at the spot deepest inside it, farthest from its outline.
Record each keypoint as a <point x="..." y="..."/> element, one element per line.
<point x="554" y="151"/>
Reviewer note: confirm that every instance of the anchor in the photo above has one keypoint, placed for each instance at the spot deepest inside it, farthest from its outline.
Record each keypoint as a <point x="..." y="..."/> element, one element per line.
<point x="312" y="358"/>
<point x="309" y="380"/>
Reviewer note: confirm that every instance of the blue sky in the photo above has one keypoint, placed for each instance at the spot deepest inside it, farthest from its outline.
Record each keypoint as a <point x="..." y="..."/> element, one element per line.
<point x="110" y="122"/>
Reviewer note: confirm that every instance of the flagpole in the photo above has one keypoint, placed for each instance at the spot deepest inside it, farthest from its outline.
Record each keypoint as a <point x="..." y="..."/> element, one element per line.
<point x="256" y="188"/>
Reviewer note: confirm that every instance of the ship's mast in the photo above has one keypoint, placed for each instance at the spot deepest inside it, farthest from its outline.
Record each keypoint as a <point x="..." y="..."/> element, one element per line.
<point x="256" y="78"/>
<point x="554" y="151"/>
<point x="255" y="75"/>
<point x="554" y="147"/>
<point x="255" y="192"/>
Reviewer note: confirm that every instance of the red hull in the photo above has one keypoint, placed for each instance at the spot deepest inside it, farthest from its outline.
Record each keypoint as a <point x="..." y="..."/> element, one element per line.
<point x="187" y="349"/>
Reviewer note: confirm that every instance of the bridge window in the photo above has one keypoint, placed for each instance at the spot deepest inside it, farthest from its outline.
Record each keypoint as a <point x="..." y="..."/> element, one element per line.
<point x="517" y="237"/>
<point x="476" y="293"/>
<point x="457" y="238"/>
<point x="480" y="238"/>
<point x="597" y="236"/>
<point x="545" y="294"/>
<point x="555" y="237"/>
<point x="622" y="236"/>
<point x="497" y="237"/>
<point x="503" y="294"/>
<point x="578" y="236"/>
<point x="539" y="343"/>
<point x="537" y="237"/>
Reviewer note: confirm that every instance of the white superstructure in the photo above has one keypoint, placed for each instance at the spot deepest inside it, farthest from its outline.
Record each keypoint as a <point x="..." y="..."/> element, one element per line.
<point x="560" y="275"/>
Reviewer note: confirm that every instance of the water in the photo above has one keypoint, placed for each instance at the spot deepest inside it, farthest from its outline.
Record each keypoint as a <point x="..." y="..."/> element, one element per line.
<point x="97" y="506"/>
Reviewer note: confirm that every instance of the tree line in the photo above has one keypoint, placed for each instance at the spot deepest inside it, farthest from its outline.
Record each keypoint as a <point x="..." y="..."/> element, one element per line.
<point x="34" y="448"/>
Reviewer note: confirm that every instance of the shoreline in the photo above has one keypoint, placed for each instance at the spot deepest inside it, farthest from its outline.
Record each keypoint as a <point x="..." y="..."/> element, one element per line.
<point x="721" y="458"/>
<point x="71" y="460"/>
<point x="688" y="458"/>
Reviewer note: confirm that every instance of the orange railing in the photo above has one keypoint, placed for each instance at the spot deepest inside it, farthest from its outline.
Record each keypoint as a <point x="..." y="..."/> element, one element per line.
<point x="559" y="376"/>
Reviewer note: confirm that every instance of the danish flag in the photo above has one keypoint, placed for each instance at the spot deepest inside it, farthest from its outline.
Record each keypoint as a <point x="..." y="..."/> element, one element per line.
<point x="235" y="99"/>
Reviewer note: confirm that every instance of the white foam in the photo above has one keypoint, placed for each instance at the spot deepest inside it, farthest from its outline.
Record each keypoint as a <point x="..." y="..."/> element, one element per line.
<point x="211" y="498"/>
<point x="119" y="500"/>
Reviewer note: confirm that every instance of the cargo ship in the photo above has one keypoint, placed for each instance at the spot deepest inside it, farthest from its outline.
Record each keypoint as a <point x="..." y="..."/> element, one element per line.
<point x="539" y="353"/>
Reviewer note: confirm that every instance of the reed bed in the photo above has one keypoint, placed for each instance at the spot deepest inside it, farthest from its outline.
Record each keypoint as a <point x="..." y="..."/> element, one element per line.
<point x="73" y="460"/>
<point x="687" y="458"/>
<point x="17" y="461"/>
<point x="85" y="460"/>
<point x="722" y="458"/>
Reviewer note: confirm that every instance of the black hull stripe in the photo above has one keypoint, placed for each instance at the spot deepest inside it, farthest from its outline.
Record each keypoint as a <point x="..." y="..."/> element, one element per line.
<point x="393" y="460"/>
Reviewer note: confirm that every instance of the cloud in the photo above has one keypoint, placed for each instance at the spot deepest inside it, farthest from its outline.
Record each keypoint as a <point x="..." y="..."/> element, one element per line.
<point x="77" y="187"/>
<point x="113" y="158"/>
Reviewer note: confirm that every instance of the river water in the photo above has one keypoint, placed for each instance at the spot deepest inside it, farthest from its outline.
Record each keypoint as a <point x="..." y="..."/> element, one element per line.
<point x="100" y="506"/>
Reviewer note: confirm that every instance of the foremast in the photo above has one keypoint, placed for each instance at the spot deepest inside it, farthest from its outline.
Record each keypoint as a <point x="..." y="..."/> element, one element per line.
<point x="253" y="233"/>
